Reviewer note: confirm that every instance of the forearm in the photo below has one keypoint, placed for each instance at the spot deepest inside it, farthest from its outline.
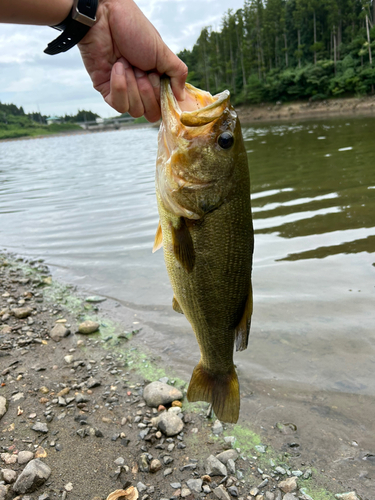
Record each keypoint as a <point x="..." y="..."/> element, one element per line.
<point x="37" y="12"/>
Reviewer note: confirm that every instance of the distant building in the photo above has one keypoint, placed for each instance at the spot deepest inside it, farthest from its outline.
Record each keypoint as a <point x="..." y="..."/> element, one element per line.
<point x="53" y="119"/>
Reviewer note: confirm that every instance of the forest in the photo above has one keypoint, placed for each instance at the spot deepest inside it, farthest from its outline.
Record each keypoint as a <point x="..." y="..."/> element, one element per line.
<point x="283" y="50"/>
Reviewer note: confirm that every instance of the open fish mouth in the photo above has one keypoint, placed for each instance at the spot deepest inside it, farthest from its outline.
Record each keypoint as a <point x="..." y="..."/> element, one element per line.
<point x="199" y="108"/>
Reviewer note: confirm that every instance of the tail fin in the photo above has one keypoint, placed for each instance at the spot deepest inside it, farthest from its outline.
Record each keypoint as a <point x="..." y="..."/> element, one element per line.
<point x="222" y="391"/>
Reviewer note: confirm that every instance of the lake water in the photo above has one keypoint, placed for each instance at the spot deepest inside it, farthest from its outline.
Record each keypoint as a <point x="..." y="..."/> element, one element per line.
<point x="86" y="204"/>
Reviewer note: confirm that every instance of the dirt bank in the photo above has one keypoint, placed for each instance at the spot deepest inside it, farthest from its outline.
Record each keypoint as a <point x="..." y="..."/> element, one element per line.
<point x="364" y="106"/>
<point x="76" y="403"/>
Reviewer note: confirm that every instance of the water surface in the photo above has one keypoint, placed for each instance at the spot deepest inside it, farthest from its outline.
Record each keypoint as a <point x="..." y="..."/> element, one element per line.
<point x="86" y="204"/>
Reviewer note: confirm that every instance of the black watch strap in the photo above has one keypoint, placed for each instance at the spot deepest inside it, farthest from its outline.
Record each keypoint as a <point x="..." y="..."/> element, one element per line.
<point x="74" y="27"/>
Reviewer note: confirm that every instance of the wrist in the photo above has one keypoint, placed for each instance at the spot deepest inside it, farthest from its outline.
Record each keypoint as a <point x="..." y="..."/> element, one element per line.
<point x="37" y="12"/>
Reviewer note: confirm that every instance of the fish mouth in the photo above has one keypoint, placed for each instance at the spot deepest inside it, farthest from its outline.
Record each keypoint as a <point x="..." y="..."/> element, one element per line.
<point x="199" y="108"/>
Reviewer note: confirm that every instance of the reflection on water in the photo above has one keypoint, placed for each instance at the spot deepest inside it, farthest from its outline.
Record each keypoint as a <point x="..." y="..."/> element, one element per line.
<point x="87" y="205"/>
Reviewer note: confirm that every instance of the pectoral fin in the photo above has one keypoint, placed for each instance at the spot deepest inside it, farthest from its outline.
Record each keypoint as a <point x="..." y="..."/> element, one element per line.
<point x="243" y="328"/>
<point x="183" y="247"/>
<point x="176" y="306"/>
<point x="158" y="243"/>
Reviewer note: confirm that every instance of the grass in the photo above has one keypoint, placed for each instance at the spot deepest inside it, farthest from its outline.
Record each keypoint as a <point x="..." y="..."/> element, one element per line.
<point x="14" y="131"/>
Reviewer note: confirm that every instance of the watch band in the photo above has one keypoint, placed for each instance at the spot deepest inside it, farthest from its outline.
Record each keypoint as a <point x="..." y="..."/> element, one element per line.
<point x="74" y="27"/>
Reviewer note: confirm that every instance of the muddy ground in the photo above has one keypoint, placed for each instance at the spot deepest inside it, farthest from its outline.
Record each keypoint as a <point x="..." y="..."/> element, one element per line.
<point x="76" y="403"/>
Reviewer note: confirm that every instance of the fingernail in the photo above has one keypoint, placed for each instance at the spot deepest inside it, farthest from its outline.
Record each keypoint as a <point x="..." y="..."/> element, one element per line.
<point x="154" y="79"/>
<point x="139" y="73"/>
<point x="119" y="68"/>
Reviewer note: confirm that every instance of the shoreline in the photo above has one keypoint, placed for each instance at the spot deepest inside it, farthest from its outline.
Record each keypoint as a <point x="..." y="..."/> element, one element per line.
<point x="292" y="111"/>
<point x="262" y="113"/>
<point x="99" y="437"/>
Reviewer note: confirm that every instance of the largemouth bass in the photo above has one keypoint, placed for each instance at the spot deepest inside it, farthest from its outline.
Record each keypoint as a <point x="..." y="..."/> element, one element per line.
<point x="203" y="194"/>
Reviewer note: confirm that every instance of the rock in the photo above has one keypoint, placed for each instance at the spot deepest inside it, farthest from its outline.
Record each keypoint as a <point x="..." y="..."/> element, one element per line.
<point x="270" y="495"/>
<point x="58" y="332"/>
<point x="170" y="424"/>
<point x="231" y="467"/>
<point x="230" y="440"/>
<point x="34" y="475"/>
<point x="25" y="456"/>
<point x="217" y="428"/>
<point x="253" y="492"/>
<point x="195" y="485"/>
<point x="351" y="495"/>
<point x="224" y="456"/>
<point x="68" y="359"/>
<point x="141" y="487"/>
<point x="215" y="468"/>
<point x="95" y="298"/>
<point x="175" y="486"/>
<point x="40" y="427"/>
<point x="288" y="485"/>
<point x="92" y="382"/>
<point x="263" y="484"/>
<point x="158" y="393"/>
<point x="3" y="406"/>
<point x="280" y="470"/>
<point x="8" y="458"/>
<point x="9" y="475"/>
<point x="88" y="327"/>
<point x="233" y="491"/>
<point x="22" y="312"/>
<point x="289" y="496"/>
<point x="3" y="491"/>
<point x="167" y="472"/>
<point x="221" y="493"/>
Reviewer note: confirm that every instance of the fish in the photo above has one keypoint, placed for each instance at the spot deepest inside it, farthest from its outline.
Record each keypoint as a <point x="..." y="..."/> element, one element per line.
<point x="206" y="231"/>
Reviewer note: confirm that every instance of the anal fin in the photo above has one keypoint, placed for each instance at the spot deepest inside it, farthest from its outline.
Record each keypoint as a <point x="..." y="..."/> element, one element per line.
<point x="183" y="247"/>
<point x="176" y="306"/>
<point x="158" y="243"/>
<point x="221" y="390"/>
<point x="243" y="328"/>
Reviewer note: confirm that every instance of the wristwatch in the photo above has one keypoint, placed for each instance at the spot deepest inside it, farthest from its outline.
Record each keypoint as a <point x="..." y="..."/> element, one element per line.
<point x="74" y="27"/>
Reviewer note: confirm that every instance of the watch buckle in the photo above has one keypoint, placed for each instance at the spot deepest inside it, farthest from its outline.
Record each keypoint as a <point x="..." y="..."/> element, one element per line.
<point x="81" y="18"/>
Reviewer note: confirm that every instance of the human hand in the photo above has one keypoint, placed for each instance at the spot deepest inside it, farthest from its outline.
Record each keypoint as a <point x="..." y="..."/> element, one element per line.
<point x="125" y="56"/>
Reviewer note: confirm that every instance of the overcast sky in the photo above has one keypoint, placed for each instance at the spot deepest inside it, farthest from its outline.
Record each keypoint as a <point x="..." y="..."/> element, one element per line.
<point x="55" y="85"/>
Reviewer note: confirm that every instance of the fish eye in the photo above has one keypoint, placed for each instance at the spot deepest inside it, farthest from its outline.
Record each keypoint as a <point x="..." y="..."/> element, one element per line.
<point x="225" y="140"/>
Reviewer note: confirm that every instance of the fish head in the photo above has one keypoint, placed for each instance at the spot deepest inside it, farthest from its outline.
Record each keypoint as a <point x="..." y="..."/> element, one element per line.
<point x="199" y="146"/>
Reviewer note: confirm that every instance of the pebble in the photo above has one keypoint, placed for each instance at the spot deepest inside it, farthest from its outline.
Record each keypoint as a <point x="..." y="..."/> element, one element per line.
<point x="155" y="465"/>
<point x="158" y="393"/>
<point x="350" y="495"/>
<point x="214" y="467"/>
<point x="230" y="440"/>
<point x="88" y="327"/>
<point x="195" y="485"/>
<point x="25" y="456"/>
<point x="167" y="472"/>
<point x="141" y="487"/>
<point x="40" y="427"/>
<point x="22" y="312"/>
<point x="175" y="486"/>
<point x="221" y="493"/>
<point x="185" y="492"/>
<point x="58" y="332"/>
<point x="34" y="475"/>
<point x="3" y="491"/>
<point x="170" y="424"/>
<point x="3" y="406"/>
<point x="9" y="475"/>
<point x="217" y="428"/>
<point x="224" y="456"/>
<point x="231" y="466"/>
<point x="288" y="485"/>
<point x="233" y="491"/>
<point x="289" y="496"/>
<point x="8" y="458"/>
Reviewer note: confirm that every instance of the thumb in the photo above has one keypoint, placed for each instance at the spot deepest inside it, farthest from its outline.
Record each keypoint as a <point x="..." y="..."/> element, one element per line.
<point x="176" y="69"/>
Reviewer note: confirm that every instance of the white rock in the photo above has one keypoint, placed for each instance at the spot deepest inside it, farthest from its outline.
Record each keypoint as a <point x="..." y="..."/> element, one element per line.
<point x="158" y="393"/>
<point x="221" y="493"/>
<point x="3" y="406"/>
<point x="170" y="424"/>
<point x="224" y="456"/>
<point x="25" y="456"/>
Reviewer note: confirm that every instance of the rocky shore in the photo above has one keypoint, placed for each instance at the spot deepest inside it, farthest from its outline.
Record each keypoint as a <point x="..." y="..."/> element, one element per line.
<point x="292" y="111"/>
<point x="79" y="420"/>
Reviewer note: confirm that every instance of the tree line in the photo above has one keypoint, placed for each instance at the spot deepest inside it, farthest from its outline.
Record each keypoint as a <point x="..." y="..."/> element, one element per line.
<point x="280" y="50"/>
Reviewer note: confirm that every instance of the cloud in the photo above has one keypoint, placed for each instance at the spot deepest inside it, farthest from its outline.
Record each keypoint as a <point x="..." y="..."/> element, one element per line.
<point x="59" y="84"/>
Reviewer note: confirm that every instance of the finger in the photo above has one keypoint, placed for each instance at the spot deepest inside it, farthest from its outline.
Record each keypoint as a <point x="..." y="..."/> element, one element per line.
<point x="147" y="94"/>
<point x="155" y="82"/>
<point x="118" y="97"/>
<point x="176" y="69"/>
<point x="136" y="108"/>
